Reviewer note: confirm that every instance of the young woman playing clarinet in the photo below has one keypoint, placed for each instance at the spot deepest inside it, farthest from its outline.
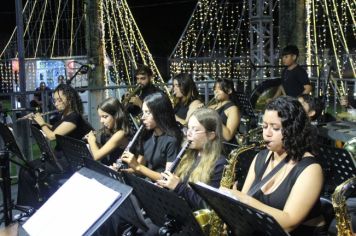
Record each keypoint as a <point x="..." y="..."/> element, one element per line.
<point x="291" y="194"/>
<point x="160" y="141"/>
<point x="113" y="136"/>
<point x="203" y="160"/>
<point x="186" y="98"/>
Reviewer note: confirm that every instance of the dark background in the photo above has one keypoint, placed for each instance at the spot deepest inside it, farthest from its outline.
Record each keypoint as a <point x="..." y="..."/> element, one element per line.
<point x="161" y="22"/>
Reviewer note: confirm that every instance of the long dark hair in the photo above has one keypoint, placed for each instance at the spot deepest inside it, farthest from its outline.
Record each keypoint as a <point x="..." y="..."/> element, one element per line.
<point x="163" y="114"/>
<point x="298" y="135"/>
<point x="227" y="85"/>
<point x="187" y="87"/>
<point x="74" y="101"/>
<point x="113" y="107"/>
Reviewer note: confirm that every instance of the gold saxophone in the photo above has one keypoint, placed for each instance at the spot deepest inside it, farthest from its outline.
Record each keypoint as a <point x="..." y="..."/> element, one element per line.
<point x="227" y="181"/>
<point x="343" y="221"/>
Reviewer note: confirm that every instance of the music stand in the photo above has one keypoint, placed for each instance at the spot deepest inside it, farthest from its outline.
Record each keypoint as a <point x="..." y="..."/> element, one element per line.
<point x="241" y="218"/>
<point x="162" y="205"/>
<point x="78" y="155"/>
<point x="47" y="153"/>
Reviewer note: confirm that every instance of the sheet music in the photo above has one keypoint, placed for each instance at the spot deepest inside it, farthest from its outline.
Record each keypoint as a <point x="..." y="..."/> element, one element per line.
<point x="228" y="194"/>
<point x="76" y="206"/>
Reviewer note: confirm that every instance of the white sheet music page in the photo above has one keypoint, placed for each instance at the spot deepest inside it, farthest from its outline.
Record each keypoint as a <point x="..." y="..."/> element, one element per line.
<point x="71" y="210"/>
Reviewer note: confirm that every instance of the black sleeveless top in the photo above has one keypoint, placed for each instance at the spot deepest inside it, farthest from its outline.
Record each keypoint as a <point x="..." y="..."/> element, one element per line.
<point x="113" y="155"/>
<point x="223" y="117"/>
<point x="181" y="110"/>
<point x="279" y="196"/>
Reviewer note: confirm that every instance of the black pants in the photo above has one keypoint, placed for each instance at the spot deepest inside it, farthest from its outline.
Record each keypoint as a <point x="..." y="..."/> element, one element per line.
<point x="37" y="183"/>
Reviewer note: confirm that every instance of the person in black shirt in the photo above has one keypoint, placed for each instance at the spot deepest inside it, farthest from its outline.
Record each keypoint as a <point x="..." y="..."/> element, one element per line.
<point x="295" y="79"/>
<point x="186" y="97"/>
<point x="160" y="141"/>
<point x="144" y="76"/>
<point x="202" y="162"/>
<point x="67" y="101"/>
<point x="312" y="106"/>
<point x="112" y="138"/>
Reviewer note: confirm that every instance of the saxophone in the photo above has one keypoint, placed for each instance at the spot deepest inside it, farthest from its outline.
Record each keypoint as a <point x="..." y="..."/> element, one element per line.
<point x="343" y="221"/>
<point x="227" y="181"/>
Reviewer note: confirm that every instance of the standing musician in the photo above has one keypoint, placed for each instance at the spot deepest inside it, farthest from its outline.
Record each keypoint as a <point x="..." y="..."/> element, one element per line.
<point x="161" y="140"/>
<point x="67" y="101"/>
<point x="186" y="97"/>
<point x="203" y="160"/>
<point x="227" y="108"/>
<point x="144" y="76"/>
<point x="292" y="194"/>
<point x="113" y="136"/>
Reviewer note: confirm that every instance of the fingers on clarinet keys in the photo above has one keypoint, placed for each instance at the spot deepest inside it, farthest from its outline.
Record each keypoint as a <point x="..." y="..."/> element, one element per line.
<point x="120" y="165"/>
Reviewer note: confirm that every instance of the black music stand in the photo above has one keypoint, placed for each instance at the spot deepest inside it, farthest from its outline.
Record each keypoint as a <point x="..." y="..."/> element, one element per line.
<point x="11" y="147"/>
<point x="46" y="151"/>
<point x="78" y="155"/>
<point x="241" y="218"/>
<point x="164" y="207"/>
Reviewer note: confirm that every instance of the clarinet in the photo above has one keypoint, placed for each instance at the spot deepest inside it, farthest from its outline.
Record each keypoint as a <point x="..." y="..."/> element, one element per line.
<point x="121" y="165"/>
<point x="176" y="161"/>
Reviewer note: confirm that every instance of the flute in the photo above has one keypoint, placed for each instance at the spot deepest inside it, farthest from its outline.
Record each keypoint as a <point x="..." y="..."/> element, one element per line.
<point x="121" y="165"/>
<point x="32" y="115"/>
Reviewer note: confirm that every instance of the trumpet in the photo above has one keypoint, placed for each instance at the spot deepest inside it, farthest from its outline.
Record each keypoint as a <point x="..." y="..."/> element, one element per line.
<point x="31" y="115"/>
<point x="135" y="90"/>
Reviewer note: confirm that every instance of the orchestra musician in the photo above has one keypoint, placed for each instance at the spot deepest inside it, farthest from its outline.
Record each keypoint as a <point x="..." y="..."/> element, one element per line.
<point x="203" y="160"/>
<point x="227" y="108"/>
<point x="113" y="136"/>
<point x="292" y="194"/>
<point x="72" y="123"/>
<point x="186" y="97"/>
<point x="144" y="77"/>
<point x="160" y="141"/>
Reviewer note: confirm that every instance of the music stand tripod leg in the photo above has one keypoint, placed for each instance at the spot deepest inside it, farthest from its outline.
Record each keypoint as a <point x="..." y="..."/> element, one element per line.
<point x="6" y="186"/>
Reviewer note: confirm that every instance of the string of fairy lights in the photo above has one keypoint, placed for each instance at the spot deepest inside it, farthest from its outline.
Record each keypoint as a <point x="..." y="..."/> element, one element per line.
<point x="215" y="43"/>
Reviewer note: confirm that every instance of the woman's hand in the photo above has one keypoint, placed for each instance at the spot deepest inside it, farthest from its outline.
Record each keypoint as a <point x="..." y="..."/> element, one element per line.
<point x="168" y="180"/>
<point x="131" y="160"/>
<point x="38" y="119"/>
<point x="238" y="195"/>
<point x="90" y="137"/>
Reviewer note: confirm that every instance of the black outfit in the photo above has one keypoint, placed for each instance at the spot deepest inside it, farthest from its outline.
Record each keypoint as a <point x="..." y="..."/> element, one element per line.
<point x="158" y="150"/>
<point x="279" y="197"/>
<point x="194" y="200"/>
<point x="223" y="117"/>
<point x="28" y="193"/>
<point x="181" y="110"/>
<point x="113" y="155"/>
<point x="293" y="81"/>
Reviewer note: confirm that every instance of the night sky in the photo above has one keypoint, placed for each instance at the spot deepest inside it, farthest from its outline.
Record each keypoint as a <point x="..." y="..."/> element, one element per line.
<point x="160" y="21"/>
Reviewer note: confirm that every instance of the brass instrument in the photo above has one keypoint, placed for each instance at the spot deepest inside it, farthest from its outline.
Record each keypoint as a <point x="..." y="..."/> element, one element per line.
<point x="134" y="91"/>
<point x="31" y="115"/>
<point x="252" y="135"/>
<point x="350" y="146"/>
<point x="343" y="221"/>
<point x="211" y="102"/>
<point x="227" y="181"/>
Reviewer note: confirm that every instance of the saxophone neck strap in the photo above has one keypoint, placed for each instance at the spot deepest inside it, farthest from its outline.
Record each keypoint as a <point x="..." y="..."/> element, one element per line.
<point x="253" y="190"/>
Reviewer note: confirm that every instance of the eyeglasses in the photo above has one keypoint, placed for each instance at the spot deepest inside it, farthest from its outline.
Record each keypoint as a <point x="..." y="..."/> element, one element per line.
<point x="193" y="131"/>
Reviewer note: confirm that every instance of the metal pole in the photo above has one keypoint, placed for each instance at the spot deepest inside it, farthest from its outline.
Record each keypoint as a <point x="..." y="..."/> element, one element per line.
<point x="23" y="126"/>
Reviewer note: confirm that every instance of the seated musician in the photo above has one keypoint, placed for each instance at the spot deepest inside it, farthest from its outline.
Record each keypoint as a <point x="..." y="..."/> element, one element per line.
<point x="160" y="140"/>
<point x="227" y="107"/>
<point x="292" y="194"/>
<point x="203" y="160"/>
<point x="72" y="123"/>
<point x="112" y="138"/>
<point x="186" y="97"/>
<point x="312" y="106"/>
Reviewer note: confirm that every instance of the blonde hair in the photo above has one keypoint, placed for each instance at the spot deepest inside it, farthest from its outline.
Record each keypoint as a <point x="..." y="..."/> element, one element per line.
<point x="210" y="153"/>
